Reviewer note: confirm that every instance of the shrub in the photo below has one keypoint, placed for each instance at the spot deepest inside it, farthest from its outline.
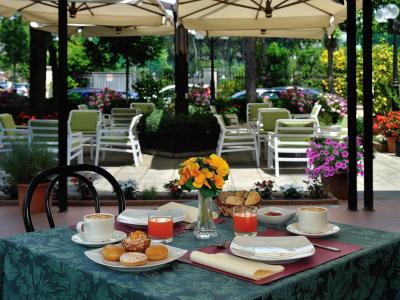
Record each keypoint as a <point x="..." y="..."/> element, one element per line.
<point x="297" y="102"/>
<point x="334" y="107"/>
<point x="149" y="194"/>
<point x="129" y="188"/>
<point x="291" y="191"/>
<point x="106" y="100"/>
<point x="148" y="89"/>
<point x="174" y="189"/>
<point x="315" y="188"/>
<point x="264" y="188"/>
<point x="166" y="132"/>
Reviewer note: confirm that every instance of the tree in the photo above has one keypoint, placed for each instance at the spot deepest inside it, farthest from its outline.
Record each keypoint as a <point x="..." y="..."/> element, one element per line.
<point x="14" y="37"/>
<point x="277" y="68"/>
<point x="134" y="50"/>
<point x="251" y="69"/>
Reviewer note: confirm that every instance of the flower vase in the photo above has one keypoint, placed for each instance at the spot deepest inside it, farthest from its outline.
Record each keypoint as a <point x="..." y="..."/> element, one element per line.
<point x="205" y="228"/>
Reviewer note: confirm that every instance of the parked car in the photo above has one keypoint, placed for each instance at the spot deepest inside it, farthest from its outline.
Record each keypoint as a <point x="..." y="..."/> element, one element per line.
<point x="273" y="93"/>
<point x="84" y="92"/>
<point x="242" y="94"/>
<point x="22" y="88"/>
<point x="5" y="85"/>
<point x="169" y="95"/>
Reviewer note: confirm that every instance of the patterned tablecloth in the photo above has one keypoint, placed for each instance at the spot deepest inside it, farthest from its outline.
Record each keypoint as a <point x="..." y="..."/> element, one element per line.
<point x="48" y="265"/>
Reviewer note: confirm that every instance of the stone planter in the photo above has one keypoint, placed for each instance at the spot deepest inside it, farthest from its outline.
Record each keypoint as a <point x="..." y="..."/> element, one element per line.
<point x="380" y="147"/>
<point x="336" y="185"/>
<point x="391" y="144"/>
<point x="37" y="203"/>
<point x="398" y="148"/>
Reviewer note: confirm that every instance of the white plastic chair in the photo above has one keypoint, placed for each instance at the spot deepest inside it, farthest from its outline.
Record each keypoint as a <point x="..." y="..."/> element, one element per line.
<point x="120" y="140"/>
<point x="11" y="133"/>
<point x="290" y="137"/>
<point x="236" y="140"/>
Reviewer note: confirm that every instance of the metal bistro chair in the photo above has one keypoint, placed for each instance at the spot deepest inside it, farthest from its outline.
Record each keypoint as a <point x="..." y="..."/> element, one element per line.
<point x="67" y="171"/>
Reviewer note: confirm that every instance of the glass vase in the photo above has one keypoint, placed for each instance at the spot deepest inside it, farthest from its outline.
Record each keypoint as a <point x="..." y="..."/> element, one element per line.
<point x="205" y="228"/>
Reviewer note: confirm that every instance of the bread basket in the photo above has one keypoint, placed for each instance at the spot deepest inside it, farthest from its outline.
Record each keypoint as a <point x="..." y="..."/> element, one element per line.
<point x="227" y="209"/>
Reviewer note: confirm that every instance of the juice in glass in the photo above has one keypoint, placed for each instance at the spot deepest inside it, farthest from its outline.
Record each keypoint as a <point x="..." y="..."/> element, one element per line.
<point x="160" y="227"/>
<point x="245" y="220"/>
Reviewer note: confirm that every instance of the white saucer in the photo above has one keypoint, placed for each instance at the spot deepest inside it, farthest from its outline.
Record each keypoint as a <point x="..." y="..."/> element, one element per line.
<point x="139" y="217"/>
<point x="117" y="237"/>
<point x="330" y="230"/>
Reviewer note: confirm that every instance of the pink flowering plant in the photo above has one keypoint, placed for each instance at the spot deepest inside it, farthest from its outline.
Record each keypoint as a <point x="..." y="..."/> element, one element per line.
<point x="105" y="100"/>
<point x="333" y="105"/>
<point x="327" y="158"/>
<point x="296" y="101"/>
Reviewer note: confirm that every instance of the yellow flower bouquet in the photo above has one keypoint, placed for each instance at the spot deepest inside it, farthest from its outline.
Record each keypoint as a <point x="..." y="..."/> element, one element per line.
<point x="206" y="174"/>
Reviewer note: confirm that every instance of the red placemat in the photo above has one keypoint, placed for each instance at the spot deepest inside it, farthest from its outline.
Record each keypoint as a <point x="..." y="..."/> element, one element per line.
<point x="321" y="256"/>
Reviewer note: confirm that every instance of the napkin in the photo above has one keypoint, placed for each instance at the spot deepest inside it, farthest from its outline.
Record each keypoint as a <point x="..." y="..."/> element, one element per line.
<point x="236" y="265"/>
<point x="190" y="211"/>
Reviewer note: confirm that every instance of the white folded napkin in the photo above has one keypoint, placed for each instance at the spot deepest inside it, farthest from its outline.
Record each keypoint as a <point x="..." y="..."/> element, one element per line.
<point x="191" y="212"/>
<point x="236" y="265"/>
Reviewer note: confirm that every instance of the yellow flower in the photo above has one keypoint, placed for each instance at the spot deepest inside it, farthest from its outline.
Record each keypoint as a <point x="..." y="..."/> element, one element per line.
<point x="199" y="180"/>
<point x="218" y="163"/>
<point x="190" y="160"/>
<point x="218" y="181"/>
<point x="185" y="175"/>
<point x="207" y="173"/>
<point x="194" y="169"/>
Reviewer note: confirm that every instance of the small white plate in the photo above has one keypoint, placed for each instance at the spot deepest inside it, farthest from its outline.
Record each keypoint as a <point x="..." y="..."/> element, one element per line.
<point x="330" y="230"/>
<point x="274" y="250"/>
<point x="173" y="254"/>
<point x="139" y="217"/>
<point x="274" y="220"/>
<point x="117" y="237"/>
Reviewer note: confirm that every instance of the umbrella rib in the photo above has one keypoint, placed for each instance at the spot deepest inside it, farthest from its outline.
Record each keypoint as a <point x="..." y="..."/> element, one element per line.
<point x="282" y="5"/>
<point x="27" y="6"/>
<point x="147" y="9"/>
<point x="279" y="5"/>
<point x="260" y="7"/>
<point x="317" y="8"/>
<point x="200" y="10"/>
<point x="236" y="4"/>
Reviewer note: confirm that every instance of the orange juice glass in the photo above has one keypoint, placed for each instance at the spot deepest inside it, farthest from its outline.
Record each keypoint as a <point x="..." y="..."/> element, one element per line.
<point x="245" y="220"/>
<point x="160" y="226"/>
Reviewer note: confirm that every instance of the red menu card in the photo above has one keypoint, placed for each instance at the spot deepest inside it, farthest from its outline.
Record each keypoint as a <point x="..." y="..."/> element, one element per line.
<point x="321" y="256"/>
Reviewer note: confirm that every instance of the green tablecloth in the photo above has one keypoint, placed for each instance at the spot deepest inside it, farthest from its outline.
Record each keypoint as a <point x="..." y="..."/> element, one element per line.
<point x="48" y="265"/>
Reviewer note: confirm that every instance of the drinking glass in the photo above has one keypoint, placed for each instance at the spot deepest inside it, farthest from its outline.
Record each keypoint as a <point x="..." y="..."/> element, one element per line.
<point x="160" y="226"/>
<point x="245" y="220"/>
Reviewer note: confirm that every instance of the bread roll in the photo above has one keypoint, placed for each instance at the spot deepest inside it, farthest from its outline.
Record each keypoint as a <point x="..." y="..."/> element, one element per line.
<point x="234" y="200"/>
<point x="133" y="259"/>
<point x="112" y="252"/>
<point x="137" y="241"/>
<point x="253" y="198"/>
<point x="157" y="252"/>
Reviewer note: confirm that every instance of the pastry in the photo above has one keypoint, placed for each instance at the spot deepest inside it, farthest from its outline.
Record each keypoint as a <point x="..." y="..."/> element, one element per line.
<point x="112" y="252"/>
<point x="240" y="194"/>
<point x="137" y="241"/>
<point x="234" y="200"/>
<point x="133" y="259"/>
<point x="223" y="195"/>
<point x="157" y="252"/>
<point x="253" y="198"/>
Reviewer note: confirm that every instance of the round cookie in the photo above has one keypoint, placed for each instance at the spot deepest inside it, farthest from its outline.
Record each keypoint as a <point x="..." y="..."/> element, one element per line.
<point x="112" y="252"/>
<point x="157" y="252"/>
<point x="130" y="259"/>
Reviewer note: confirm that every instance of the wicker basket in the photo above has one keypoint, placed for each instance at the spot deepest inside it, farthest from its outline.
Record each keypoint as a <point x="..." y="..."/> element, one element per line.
<point x="227" y="209"/>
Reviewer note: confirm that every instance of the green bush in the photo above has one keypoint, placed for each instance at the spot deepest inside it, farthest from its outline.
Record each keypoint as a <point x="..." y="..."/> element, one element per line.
<point x="148" y="89"/>
<point x="164" y="131"/>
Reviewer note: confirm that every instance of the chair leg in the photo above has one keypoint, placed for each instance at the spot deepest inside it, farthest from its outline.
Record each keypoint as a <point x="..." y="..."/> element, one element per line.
<point x="91" y="149"/>
<point x="270" y="162"/>
<point x="96" y="159"/>
<point x="103" y="155"/>
<point x="256" y="150"/>
<point x="276" y="163"/>
<point x="80" y="157"/>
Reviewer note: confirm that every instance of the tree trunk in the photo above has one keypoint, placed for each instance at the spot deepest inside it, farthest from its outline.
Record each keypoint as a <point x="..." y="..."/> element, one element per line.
<point x="127" y="76"/>
<point x="330" y="44"/>
<point x="53" y="61"/>
<point x="14" y="79"/>
<point x="251" y="69"/>
<point x="37" y="67"/>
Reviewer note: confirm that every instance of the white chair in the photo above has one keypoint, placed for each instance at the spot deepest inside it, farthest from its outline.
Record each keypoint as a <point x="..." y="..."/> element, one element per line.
<point x="45" y="133"/>
<point x="145" y="108"/>
<point x="87" y="122"/>
<point x="313" y="115"/>
<point x="290" y="137"/>
<point x="266" y="120"/>
<point x="252" y="111"/>
<point x="11" y="133"/>
<point x="236" y="140"/>
<point x="83" y="107"/>
<point x="336" y="132"/>
<point x="213" y="109"/>
<point x="122" y="117"/>
<point x="120" y="140"/>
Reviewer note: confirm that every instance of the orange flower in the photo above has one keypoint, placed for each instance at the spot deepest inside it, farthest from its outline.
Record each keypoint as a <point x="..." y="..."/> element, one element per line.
<point x="218" y="181"/>
<point x="199" y="180"/>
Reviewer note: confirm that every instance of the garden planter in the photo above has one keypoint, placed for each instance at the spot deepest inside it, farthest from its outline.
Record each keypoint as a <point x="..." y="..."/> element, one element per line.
<point x="397" y="147"/>
<point x="336" y="185"/>
<point x="37" y="203"/>
<point x="380" y="147"/>
<point x="391" y="144"/>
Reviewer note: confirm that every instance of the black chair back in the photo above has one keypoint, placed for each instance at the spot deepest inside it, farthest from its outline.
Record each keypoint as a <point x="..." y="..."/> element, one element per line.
<point x="68" y="171"/>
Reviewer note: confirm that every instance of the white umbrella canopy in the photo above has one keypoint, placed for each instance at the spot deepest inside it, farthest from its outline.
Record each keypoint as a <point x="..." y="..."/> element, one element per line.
<point x="111" y="31"/>
<point x="101" y="12"/>
<point x="203" y="15"/>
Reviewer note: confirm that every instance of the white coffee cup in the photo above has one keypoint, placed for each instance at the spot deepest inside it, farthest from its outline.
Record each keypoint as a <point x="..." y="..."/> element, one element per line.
<point x="312" y="219"/>
<point x="97" y="227"/>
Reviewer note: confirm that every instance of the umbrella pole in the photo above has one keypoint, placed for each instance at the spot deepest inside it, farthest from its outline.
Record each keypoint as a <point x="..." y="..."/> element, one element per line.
<point x="352" y="103"/>
<point x="212" y="81"/>
<point x="62" y="101"/>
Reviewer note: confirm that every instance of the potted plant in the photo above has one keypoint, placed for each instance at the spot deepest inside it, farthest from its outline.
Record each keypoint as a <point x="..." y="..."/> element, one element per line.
<point x="21" y="164"/>
<point x="389" y="126"/>
<point x="329" y="161"/>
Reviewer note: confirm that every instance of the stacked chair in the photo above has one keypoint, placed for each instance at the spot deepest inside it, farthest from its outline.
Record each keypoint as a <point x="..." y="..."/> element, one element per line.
<point x="11" y="133"/>
<point x="252" y="111"/>
<point x="122" y="117"/>
<point x="145" y="108"/>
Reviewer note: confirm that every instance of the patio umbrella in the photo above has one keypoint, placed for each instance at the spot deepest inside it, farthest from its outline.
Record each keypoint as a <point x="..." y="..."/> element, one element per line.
<point x="111" y="31"/>
<point x="306" y="33"/>
<point x="100" y="12"/>
<point x="261" y="15"/>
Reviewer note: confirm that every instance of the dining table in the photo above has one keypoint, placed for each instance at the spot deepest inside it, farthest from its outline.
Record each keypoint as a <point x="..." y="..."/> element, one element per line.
<point x="48" y="265"/>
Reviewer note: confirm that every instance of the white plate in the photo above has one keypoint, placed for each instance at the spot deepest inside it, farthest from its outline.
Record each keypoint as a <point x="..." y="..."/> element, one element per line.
<point x="173" y="254"/>
<point x="330" y="230"/>
<point x="285" y="249"/>
<point x="117" y="237"/>
<point x="139" y="217"/>
<point x="274" y="220"/>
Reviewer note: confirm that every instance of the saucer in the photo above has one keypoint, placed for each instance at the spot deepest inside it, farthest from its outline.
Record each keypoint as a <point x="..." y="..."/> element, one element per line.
<point x="117" y="237"/>
<point x="330" y="230"/>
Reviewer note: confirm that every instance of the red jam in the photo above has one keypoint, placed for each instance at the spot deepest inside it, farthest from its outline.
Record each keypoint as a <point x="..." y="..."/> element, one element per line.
<point x="274" y="214"/>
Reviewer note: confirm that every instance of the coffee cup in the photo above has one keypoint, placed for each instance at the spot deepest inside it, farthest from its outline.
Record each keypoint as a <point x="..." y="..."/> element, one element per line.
<point x="97" y="227"/>
<point x="312" y="219"/>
